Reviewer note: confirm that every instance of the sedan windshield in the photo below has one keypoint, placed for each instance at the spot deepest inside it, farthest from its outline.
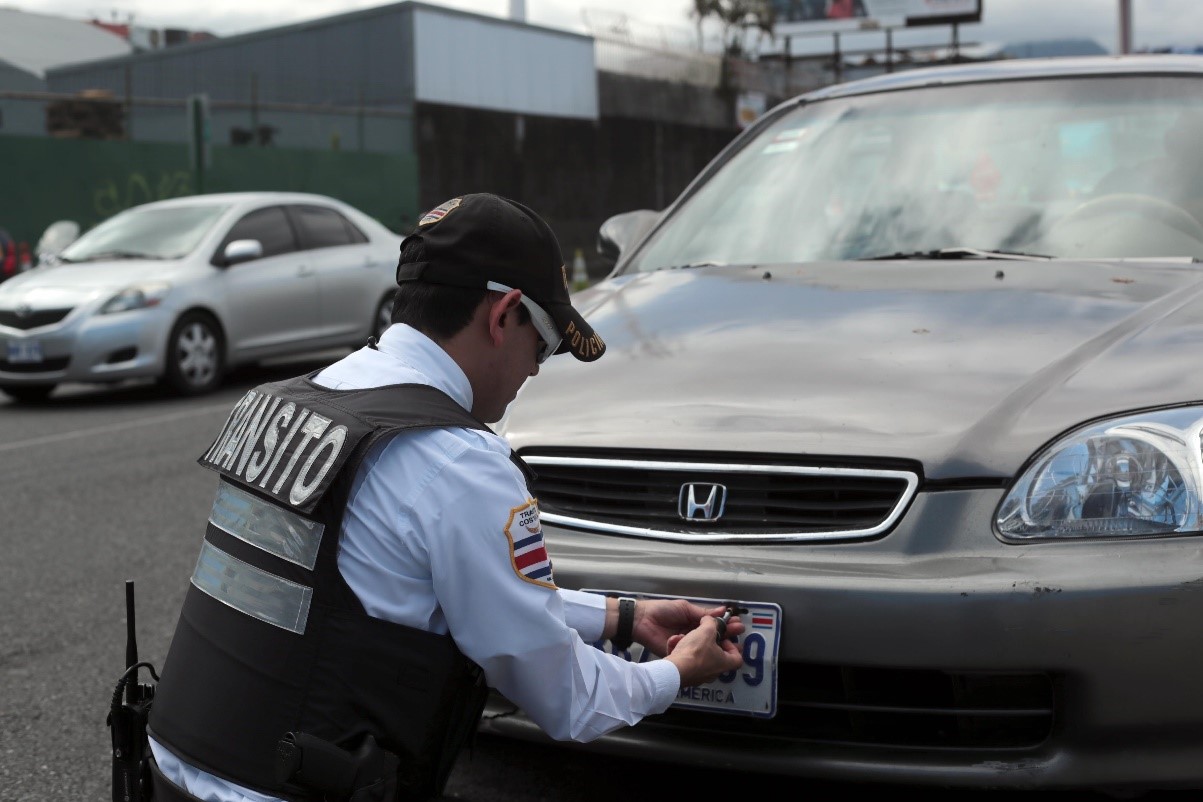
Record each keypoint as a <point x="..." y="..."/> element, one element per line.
<point x="146" y="233"/>
<point x="1072" y="168"/>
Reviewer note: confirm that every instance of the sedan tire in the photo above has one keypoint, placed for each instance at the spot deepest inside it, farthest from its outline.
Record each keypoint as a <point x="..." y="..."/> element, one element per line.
<point x="195" y="361"/>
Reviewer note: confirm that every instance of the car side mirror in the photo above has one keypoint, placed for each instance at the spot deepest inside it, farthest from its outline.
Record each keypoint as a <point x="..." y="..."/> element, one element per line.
<point x="58" y="235"/>
<point x="242" y="250"/>
<point x="622" y="231"/>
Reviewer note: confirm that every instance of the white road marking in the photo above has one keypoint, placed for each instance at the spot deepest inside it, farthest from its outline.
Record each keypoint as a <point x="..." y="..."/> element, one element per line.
<point x="114" y="427"/>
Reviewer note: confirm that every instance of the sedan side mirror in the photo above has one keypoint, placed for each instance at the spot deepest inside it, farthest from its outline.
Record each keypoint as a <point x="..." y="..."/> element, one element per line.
<point x="622" y="231"/>
<point x="58" y="235"/>
<point x="242" y="250"/>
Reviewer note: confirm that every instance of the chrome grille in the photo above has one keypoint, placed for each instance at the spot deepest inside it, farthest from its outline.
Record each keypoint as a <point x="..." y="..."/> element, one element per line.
<point x="913" y="709"/>
<point x="32" y="320"/>
<point x="764" y="503"/>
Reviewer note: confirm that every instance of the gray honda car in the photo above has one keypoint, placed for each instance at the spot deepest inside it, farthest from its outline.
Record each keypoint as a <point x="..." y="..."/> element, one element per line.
<point x="910" y="375"/>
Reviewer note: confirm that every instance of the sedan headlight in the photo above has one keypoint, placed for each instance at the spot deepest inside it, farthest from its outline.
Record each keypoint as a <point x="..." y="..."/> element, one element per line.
<point x="138" y="296"/>
<point x="1136" y="476"/>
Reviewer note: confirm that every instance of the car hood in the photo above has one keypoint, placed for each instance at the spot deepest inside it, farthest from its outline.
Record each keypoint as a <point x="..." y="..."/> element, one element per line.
<point x="57" y="286"/>
<point x="966" y="366"/>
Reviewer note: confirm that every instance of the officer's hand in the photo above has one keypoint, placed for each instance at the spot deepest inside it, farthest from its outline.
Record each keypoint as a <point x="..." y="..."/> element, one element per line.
<point x="699" y="658"/>
<point x="658" y="620"/>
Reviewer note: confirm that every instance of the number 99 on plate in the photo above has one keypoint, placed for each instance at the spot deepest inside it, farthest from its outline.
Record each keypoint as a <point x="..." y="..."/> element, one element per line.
<point x="750" y="690"/>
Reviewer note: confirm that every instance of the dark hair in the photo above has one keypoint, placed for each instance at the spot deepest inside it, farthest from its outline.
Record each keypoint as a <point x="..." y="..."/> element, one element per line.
<point x="439" y="311"/>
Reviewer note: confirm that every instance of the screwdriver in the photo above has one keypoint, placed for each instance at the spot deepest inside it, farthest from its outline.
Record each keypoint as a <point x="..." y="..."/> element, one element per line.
<point x="724" y="618"/>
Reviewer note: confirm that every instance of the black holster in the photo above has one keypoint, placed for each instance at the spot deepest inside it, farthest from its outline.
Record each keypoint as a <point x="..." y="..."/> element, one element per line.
<point x="369" y="774"/>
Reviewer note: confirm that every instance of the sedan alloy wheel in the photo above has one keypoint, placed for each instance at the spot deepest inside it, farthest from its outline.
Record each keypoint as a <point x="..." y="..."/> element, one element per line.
<point x="194" y="358"/>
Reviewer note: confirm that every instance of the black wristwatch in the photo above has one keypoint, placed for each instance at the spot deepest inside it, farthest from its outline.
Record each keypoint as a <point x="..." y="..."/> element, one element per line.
<point x="624" y="635"/>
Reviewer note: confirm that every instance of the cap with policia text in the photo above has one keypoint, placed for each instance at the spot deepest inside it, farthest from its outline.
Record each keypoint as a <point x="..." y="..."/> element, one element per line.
<point x="482" y="239"/>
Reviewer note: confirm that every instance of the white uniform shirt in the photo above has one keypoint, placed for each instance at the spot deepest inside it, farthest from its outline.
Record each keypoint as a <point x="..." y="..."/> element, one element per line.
<point x="427" y="542"/>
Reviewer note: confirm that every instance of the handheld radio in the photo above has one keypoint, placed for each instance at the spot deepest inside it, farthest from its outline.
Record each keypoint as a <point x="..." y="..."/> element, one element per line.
<point x="129" y="711"/>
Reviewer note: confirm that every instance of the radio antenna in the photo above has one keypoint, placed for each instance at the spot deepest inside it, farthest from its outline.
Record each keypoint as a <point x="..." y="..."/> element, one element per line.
<point x="131" y="642"/>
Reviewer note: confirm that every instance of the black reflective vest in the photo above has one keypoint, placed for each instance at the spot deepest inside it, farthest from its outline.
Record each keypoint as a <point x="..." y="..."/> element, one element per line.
<point x="271" y="639"/>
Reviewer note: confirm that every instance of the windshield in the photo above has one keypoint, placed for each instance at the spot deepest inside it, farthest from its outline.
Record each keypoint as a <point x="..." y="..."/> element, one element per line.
<point x="146" y="233"/>
<point x="1083" y="167"/>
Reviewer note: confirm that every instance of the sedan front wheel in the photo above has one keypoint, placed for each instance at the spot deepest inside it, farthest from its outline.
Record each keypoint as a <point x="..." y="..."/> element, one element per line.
<point x="194" y="363"/>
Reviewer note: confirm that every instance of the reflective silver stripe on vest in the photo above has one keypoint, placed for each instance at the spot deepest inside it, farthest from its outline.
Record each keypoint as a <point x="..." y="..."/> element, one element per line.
<point x="267" y="526"/>
<point x="250" y="590"/>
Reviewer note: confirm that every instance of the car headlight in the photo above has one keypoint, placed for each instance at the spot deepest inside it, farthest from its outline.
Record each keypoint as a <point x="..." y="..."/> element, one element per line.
<point x="1136" y="476"/>
<point x="138" y="296"/>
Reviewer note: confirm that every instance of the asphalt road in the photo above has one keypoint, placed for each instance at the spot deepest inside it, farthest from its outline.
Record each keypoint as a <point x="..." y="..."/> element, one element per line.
<point x="99" y="486"/>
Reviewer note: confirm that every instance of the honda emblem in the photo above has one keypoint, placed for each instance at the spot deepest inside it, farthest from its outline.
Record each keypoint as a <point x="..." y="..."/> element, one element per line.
<point x="701" y="501"/>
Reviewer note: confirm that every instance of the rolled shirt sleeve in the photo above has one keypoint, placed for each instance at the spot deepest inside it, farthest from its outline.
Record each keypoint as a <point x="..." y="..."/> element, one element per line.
<point x="584" y="612"/>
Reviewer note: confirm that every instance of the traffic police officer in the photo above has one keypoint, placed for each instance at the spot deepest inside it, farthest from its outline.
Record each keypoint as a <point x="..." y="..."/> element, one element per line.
<point x="374" y="558"/>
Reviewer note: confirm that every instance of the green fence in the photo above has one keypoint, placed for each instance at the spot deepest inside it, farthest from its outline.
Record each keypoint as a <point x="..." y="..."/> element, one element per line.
<point x="43" y="180"/>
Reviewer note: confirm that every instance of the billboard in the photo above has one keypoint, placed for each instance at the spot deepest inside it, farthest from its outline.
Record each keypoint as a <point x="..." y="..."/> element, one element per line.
<point x="817" y="16"/>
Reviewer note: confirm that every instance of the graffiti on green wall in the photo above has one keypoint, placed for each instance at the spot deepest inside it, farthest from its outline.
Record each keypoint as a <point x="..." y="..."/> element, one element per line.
<point x="112" y="196"/>
<point x="90" y="180"/>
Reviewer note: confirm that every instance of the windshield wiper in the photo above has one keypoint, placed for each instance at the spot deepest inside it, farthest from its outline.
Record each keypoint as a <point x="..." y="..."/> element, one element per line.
<point x="116" y="254"/>
<point x="957" y="253"/>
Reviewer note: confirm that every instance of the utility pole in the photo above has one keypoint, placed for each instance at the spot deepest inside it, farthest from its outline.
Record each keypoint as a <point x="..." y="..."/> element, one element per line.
<point x="1125" y="27"/>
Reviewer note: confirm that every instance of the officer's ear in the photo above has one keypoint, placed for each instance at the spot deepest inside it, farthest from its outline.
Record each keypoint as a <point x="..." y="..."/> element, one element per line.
<point x="502" y="313"/>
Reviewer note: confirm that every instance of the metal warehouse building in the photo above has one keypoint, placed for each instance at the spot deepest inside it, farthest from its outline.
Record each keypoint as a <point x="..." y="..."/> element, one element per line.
<point x="476" y="102"/>
<point x="352" y="80"/>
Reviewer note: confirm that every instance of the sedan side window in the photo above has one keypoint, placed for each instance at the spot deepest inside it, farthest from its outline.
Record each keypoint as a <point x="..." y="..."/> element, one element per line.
<point x="270" y="226"/>
<point x="323" y="227"/>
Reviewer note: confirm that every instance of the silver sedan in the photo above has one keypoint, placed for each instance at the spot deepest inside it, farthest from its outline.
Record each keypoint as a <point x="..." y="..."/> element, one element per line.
<point x="184" y="289"/>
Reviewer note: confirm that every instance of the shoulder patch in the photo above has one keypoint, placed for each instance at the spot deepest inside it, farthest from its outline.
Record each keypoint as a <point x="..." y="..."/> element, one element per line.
<point x="527" y="552"/>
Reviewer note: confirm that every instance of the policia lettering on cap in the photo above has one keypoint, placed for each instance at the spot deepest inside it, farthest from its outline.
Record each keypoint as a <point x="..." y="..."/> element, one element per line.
<point x="374" y="561"/>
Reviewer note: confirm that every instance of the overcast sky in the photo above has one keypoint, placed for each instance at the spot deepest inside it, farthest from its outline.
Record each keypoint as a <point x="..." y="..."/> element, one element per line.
<point x="1156" y="23"/>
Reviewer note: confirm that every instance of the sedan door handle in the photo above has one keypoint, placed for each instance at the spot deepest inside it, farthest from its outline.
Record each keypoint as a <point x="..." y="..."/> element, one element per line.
<point x="304" y="270"/>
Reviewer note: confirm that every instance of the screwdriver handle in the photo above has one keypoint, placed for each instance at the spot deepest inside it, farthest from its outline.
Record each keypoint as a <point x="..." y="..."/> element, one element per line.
<point x="721" y="621"/>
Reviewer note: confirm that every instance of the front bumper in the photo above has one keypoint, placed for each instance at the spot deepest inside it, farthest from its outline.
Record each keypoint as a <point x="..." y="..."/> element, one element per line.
<point x="1039" y="665"/>
<point x="84" y="347"/>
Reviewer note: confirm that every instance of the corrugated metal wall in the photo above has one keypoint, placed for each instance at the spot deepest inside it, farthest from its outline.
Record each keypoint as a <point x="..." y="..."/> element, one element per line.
<point x="575" y="173"/>
<point x="357" y="60"/>
<point x="483" y="63"/>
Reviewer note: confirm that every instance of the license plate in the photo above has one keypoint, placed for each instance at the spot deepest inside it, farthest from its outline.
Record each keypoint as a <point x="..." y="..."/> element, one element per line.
<point x="750" y="690"/>
<point x="24" y="351"/>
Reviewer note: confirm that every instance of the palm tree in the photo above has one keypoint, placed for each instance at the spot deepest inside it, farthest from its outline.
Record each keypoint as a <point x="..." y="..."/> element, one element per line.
<point x="703" y="9"/>
<point x="735" y="17"/>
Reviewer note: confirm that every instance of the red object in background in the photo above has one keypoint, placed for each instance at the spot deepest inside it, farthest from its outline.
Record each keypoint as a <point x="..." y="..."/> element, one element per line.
<point x="24" y="258"/>
<point x="985" y="178"/>
<point x="841" y="9"/>
<point x="8" y="266"/>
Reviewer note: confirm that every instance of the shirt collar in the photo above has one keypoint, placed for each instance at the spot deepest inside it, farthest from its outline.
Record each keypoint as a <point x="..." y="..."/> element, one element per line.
<point x="414" y="350"/>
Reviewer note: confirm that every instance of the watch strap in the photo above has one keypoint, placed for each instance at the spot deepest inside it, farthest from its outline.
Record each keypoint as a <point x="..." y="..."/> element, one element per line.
<point x="624" y="635"/>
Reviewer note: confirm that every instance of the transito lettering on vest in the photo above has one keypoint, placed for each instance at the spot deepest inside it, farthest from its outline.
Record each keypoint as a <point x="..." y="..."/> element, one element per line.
<point x="313" y="429"/>
<point x="235" y="417"/>
<point x="284" y="446"/>
<point x="251" y="442"/>
<point x="303" y="489"/>
<point x="255" y="430"/>
<point x="230" y="452"/>
<point x="282" y="417"/>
